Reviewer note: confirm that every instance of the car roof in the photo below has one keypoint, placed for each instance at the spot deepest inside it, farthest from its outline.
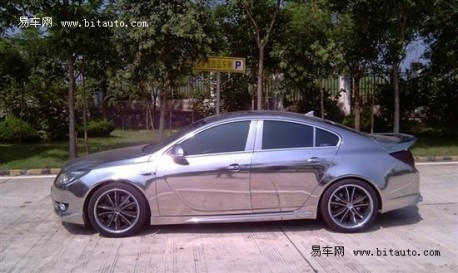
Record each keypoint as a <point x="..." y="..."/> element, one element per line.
<point x="266" y="114"/>
<point x="283" y="115"/>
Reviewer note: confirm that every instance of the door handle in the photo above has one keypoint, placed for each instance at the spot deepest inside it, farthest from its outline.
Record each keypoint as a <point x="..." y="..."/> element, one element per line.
<point x="313" y="160"/>
<point x="234" y="168"/>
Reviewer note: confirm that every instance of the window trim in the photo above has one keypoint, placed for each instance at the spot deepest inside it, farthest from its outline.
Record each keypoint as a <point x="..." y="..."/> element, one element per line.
<point x="260" y="135"/>
<point x="339" y="141"/>
<point x="248" y="145"/>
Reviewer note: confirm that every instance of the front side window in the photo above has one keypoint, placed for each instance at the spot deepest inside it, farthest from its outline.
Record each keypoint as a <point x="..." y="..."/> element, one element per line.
<point x="282" y="135"/>
<point x="225" y="138"/>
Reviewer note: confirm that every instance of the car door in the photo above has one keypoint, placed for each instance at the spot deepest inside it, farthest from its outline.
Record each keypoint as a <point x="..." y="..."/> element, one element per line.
<point x="288" y="163"/>
<point x="213" y="175"/>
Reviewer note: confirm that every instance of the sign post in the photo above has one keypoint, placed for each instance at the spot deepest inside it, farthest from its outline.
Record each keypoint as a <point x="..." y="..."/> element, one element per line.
<point x="218" y="65"/>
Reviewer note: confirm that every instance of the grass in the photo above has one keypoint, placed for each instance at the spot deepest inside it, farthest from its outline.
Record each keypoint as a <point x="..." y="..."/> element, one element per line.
<point x="55" y="155"/>
<point x="435" y="146"/>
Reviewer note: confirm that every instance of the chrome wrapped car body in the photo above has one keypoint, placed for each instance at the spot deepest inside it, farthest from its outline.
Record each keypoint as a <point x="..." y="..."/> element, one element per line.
<point x="243" y="166"/>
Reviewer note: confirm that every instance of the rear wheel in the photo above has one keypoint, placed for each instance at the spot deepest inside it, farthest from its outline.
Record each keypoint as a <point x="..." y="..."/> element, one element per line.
<point x="349" y="206"/>
<point x="117" y="210"/>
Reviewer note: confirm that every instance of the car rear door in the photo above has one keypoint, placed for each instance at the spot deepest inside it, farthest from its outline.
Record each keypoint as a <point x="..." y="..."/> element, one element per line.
<point x="288" y="163"/>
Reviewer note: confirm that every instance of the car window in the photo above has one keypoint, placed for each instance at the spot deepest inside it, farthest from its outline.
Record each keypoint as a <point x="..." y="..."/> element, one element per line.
<point x="281" y="134"/>
<point x="225" y="138"/>
<point x="325" y="138"/>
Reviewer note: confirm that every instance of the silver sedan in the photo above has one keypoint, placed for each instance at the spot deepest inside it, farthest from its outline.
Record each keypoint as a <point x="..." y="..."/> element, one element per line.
<point x="243" y="166"/>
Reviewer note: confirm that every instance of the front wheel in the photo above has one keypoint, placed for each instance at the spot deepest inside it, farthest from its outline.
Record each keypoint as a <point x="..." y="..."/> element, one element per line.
<point x="349" y="206"/>
<point x="117" y="210"/>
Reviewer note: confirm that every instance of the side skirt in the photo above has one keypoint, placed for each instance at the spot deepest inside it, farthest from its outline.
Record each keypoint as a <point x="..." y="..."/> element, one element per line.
<point x="258" y="217"/>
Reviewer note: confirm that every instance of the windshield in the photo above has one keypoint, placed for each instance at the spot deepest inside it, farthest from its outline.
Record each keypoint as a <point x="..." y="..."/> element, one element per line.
<point x="155" y="146"/>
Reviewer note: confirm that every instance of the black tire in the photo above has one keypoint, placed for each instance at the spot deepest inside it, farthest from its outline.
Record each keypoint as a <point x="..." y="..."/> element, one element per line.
<point x="349" y="206"/>
<point x="117" y="210"/>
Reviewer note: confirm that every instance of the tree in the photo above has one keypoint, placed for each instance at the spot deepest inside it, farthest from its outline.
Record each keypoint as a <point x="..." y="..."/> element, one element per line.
<point x="437" y="82"/>
<point x="400" y="23"/>
<point x="256" y="13"/>
<point x="70" y="43"/>
<point x="305" y="50"/>
<point x="441" y="35"/>
<point x="14" y="71"/>
<point x="43" y="104"/>
<point x="178" y="36"/>
<point x="357" y="42"/>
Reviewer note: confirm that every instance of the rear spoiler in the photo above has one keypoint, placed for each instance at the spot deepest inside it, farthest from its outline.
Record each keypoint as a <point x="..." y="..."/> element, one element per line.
<point x="394" y="142"/>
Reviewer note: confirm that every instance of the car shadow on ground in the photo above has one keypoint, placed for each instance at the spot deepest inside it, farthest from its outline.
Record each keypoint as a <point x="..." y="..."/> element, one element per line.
<point x="228" y="228"/>
<point x="79" y="229"/>
<point x="401" y="217"/>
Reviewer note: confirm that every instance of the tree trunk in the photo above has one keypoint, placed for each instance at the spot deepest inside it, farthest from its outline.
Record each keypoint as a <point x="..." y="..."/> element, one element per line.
<point x="397" y="108"/>
<point x="260" y="77"/>
<point x="86" y="139"/>
<point x="322" y="101"/>
<point x="164" y="102"/>
<point x="357" y="99"/>
<point x="71" y="110"/>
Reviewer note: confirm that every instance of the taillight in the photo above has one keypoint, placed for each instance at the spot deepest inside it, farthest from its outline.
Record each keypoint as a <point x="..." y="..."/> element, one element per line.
<point x="404" y="156"/>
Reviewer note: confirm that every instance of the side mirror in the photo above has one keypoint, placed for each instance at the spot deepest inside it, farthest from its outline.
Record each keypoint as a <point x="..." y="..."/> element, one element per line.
<point x="178" y="155"/>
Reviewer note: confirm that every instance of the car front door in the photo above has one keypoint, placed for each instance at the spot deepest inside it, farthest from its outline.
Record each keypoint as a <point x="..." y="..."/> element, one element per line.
<point x="288" y="163"/>
<point x="213" y="175"/>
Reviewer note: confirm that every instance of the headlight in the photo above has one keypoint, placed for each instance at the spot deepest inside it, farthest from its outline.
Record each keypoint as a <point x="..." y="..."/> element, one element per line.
<point x="68" y="177"/>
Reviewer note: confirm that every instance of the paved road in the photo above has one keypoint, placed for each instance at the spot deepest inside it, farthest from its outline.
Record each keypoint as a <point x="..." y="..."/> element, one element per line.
<point x="34" y="240"/>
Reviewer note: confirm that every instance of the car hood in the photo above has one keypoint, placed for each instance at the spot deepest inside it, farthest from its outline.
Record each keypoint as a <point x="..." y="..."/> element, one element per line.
<point x="128" y="155"/>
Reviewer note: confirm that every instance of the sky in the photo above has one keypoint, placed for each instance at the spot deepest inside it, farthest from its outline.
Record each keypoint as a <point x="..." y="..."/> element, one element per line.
<point x="414" y="54"/>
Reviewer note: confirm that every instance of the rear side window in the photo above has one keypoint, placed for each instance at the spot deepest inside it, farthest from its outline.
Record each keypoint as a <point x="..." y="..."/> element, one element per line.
<point x="325" y="138"/>
<point x="282" y="134"/>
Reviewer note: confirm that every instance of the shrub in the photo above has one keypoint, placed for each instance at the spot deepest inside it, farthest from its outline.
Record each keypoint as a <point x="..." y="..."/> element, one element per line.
<point x="97" y="128"/>
<point x="380" y="124"/>
<point x="14" y="130"/>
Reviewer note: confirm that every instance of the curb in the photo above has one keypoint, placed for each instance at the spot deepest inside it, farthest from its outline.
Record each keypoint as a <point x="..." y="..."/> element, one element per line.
<point x="29" y="172"/>
<point x="55" y="171"/>
<point x="436" y="158"/>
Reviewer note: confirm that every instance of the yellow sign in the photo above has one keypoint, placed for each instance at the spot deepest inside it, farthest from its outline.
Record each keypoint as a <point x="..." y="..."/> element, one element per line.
<point x="222" y="64"/>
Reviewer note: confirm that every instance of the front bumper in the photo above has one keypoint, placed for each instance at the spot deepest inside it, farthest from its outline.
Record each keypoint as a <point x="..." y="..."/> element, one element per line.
<point x="68" y="202"/>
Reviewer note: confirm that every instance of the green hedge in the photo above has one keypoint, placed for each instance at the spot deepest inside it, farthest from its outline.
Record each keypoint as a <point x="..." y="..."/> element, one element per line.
<point x="15" y="130"/>
<point x="97" y="128"/>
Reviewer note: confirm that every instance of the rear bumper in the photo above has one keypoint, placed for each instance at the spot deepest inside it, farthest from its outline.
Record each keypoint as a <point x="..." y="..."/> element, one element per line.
<point x="402" y="202"/>
<point x="402" y="190"/>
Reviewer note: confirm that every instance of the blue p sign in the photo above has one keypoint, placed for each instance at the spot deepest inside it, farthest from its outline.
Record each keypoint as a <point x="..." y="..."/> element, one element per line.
<point x="238" y="65"/>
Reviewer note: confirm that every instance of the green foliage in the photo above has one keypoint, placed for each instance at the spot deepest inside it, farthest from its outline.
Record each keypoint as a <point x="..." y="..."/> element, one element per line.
<point x="441" y="33"/>
<point x="309" y="40"/>
<point x="97" y="128"/>
<point x="14" y="130"/>
<point x="309" y="99"/>
<point x="202" y="104"/>
<point x="178" y="35"/>
<point x="381" y="124"/>
<point x="305" y="47"/>
<point x="234" y="93"/>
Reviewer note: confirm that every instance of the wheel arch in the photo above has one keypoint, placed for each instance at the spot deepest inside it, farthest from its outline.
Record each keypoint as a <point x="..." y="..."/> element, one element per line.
<point x="376" y="190"/>
<point x="99" y="185"/>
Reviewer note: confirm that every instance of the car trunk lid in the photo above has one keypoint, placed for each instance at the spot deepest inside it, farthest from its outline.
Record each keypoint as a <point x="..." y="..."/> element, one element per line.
<point x="393" y="142"/>
<point x="397" y="145"/>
